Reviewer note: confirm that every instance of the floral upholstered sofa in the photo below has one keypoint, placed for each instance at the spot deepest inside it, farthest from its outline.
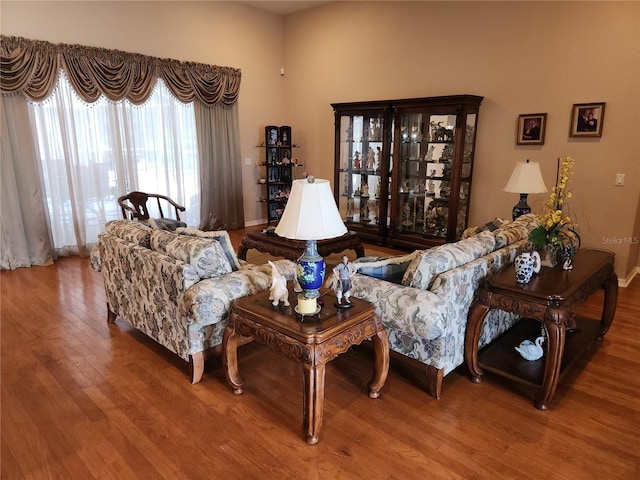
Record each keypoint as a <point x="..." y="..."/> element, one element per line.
<point x="425" y="311"/>
<point x="176" y="287"/>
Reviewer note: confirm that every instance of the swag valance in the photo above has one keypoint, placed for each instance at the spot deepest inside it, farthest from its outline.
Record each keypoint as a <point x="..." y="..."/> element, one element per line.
<point x="31" y="67"/>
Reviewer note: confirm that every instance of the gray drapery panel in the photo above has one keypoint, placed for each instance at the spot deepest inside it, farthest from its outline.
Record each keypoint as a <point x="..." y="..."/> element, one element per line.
<point x="31" y="67"/>
<point x="221" y="204"/>
<point x="25" y="238"/>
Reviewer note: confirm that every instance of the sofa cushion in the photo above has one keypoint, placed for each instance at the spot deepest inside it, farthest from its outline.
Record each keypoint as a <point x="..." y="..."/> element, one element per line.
<point x="390" y="269"/>
<point x="131" y="231"/>
<point x="515" y="231"/>
<point x="206" y="256"/>
<point x="487" y="227"/>
<point x="221" y="236"/>
<point x="428" y="264"/>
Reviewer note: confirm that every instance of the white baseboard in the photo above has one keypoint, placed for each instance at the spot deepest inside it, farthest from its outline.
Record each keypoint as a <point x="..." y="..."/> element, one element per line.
<point x="624" y="282"/>
<point x="253" y="223"/>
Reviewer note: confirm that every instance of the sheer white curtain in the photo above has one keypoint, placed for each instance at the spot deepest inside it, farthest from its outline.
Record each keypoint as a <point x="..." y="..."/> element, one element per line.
<point x="93" y="153"/>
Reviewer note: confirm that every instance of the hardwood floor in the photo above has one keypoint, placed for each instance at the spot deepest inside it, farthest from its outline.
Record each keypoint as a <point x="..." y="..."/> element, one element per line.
<point x="83" y="400"/>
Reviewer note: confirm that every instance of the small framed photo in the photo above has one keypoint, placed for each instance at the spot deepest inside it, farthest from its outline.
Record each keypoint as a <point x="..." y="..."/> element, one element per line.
<point x="531" y="128"/>
<point x="587" y="119"/>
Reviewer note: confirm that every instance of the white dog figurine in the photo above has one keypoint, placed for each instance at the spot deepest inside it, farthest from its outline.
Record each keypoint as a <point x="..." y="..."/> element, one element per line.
<point x="278" y="287"/>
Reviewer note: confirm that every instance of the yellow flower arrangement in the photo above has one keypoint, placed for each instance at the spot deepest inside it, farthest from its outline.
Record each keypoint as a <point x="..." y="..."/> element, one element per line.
<point x="556" y="226"/>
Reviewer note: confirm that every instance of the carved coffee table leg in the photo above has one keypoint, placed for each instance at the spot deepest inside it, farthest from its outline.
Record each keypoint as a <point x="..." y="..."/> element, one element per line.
<point x="476" y="317"/>
<point x="230" y="359"/>
<point x="556" y="332"/>
<point x="313" y="401"/>
<point x="381" y="366"/>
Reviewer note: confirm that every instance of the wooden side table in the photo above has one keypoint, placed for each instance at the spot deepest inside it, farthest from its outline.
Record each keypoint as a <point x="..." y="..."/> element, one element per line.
<point x="549" y="299"/>
<point x="313" y="342"/>
<point x="293" y="249"/>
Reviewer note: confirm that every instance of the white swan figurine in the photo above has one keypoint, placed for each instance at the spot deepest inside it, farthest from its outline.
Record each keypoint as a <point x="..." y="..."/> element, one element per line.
<point x="530" y="350"/>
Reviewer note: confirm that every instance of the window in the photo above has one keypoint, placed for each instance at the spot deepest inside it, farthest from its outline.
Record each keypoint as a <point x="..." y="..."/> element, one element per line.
<point x="93" y="153"/>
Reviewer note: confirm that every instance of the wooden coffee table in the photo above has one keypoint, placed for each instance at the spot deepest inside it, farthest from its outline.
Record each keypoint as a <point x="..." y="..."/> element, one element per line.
<point x="313" y="342"/>
<point x="548" y="299"/>
<point x="293" y="249"/>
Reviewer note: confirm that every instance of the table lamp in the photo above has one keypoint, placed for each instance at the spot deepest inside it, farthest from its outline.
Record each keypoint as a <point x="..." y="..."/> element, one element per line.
<point x="525" y="179"/>
<point x="311" y="214"/>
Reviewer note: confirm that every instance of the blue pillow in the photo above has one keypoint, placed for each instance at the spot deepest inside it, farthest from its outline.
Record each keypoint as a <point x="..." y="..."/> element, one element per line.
<point x="390" y="269"/>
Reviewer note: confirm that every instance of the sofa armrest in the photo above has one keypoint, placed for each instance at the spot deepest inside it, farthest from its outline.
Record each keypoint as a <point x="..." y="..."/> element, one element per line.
<point x="209" y="300"/>
<point x="418" y="313"/>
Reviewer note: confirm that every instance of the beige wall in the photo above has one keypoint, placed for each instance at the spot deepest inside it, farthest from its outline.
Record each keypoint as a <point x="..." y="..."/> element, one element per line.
<point x="523" y="57"/>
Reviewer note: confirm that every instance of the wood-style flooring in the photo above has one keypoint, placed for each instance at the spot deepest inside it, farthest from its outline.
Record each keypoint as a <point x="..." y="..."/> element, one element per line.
<point x="82" y="399"/>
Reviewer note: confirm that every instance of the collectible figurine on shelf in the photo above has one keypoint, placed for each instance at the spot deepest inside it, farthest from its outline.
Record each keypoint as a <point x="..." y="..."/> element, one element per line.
<point x="344" y="273"/>
<point x="370" y="159"/>
<point x="365" y="190"/>
<point x="356" y="161"/>
<point x="373" y="210"/>
<point x="349" y="208"/>
<point x="406" y="216"/>
<point x="429" y="155"/>
<point x="364" y="213"/>
<point x="278" y="290"/>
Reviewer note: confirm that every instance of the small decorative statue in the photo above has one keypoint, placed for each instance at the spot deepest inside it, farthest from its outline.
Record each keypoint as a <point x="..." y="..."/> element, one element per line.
<point x="356" y="161"/>
<point x="429" y="155"/>
<point x="407" y="221"/>
<point x="531" y="351"/>
<point x="349" y="208"/>
<point x="278" y="290"/>
<point x="364" y="212"/>
<point x="343" y="273"/>
<point x="370" y="159"/>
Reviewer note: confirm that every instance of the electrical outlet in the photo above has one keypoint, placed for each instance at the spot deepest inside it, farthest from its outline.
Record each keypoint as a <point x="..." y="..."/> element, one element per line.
<point x="619" y="179"/>
<point x="247" y="161"/>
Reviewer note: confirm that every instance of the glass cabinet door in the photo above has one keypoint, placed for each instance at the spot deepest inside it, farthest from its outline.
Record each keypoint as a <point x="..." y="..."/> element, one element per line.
<point x="423" y="187"/>
<point x="362" y="170"/>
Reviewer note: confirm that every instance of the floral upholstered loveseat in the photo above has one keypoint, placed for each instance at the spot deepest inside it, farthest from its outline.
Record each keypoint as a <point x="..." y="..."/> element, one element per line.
<point x="425" y="312"/>
<point x="176" y="287"/>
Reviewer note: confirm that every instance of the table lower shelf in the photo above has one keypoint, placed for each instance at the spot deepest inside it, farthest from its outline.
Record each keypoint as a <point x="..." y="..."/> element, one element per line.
<point x="500" y="357"/>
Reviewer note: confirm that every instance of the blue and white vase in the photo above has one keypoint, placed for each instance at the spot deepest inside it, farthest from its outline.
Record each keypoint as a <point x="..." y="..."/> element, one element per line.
<point x="526" y="265"/>
<point x="310" y="270"/>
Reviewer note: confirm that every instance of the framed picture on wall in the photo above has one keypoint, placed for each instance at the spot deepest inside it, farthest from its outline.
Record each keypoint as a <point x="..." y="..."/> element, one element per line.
<point x="531" y="128"/>
<point x="587" y="119"/>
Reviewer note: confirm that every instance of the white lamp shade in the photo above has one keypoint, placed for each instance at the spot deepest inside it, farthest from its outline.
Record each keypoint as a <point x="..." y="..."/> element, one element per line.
<point x="311" y="212"/>
<point x="526" y="178"/>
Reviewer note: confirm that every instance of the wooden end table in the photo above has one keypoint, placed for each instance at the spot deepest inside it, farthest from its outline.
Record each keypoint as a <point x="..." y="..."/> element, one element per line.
<point x="313" y="342"/>
<point x="548" y="299"/>
<point x="293" y="249"/>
